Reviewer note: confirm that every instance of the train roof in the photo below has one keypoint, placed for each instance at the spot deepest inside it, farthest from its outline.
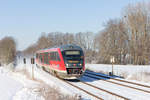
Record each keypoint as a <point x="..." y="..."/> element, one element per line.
<point x="65" y="47"/>
<point x="69" y="47"/>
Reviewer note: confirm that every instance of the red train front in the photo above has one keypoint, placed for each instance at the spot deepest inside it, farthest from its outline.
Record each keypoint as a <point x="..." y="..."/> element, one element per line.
<point x="66" y="61"/>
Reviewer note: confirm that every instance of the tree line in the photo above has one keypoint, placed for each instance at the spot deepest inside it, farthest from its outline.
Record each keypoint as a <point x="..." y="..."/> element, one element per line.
<point x="83" y="39"/>
<point x="7" y="50"/>
<point x="127" y="38"/>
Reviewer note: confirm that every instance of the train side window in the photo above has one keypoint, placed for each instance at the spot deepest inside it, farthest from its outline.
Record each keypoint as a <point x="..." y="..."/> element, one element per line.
<point x="44" y="58"/>
<point x="57" y="57"/>
<point x="54" y="56"/>
<point x="41" y="57"/>
<point x="51" y="56"/>
<point x="47" y="60"/>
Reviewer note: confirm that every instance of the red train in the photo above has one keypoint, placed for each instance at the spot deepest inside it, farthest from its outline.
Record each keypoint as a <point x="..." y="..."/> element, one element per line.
<point x="66" y="61"/>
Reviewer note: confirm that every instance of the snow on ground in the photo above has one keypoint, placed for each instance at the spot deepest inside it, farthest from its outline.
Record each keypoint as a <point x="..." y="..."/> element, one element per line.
<point x="8" y="86"/>
<point x="41" y="75"/>
<point x="31" y="89"/>
<point x="63" y="87"/>
<point x="16" y="86"/>
<point x="132" y="72"/>
<point x="45" y="77"/>
<point x="119" y="68"/>
<point x="121" y="90"/>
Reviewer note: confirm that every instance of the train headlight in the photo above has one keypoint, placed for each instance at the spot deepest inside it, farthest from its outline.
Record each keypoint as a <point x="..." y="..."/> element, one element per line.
<point x="67" y="64"/>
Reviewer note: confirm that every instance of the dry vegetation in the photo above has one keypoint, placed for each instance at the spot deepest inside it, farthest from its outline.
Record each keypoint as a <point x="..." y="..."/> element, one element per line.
<point x="24" y="72"/>
<point x="50" y="93"/>
<point x="142" y="76"/>
<point x="46" y="91"/>
<point x="7" y="50"/>
<point x="127" y="38"/>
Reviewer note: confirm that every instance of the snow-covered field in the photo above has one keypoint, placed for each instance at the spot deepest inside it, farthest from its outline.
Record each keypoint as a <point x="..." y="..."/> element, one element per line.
<point x="131" y="72"/>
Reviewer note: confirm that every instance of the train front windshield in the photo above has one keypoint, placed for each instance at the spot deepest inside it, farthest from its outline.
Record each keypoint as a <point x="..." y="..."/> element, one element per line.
<point x="72" y="53"/>
<point x="73" y="57"/>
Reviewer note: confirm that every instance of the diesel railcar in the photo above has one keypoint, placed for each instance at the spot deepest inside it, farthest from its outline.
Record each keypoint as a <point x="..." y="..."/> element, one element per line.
<point x="66" y="61"/>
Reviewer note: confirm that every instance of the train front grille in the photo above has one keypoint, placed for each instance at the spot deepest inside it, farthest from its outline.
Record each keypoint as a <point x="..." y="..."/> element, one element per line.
<point x="74" y="71"/>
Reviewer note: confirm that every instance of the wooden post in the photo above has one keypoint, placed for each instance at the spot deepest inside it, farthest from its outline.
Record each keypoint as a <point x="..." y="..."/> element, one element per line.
<point x="112" y="60"/>
<point x="112" y="69"/>
<point x="24" y="61"/>
<point x="32" y="62"/>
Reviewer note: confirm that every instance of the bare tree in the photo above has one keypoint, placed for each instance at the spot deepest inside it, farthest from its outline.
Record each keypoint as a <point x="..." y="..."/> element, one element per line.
<point x="113" y="41"/>
<point x="86" y="41"/>
<point x="7" y="50"/>
<point x="137" y="20"/>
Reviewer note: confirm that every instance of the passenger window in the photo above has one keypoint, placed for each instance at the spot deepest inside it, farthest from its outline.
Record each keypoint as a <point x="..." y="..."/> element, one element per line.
<point x="46" y="58"/>
<point x="41" y="57"/>
<point x="54" y="56"/>
<point x="49" y="58"/>
<point x="57" y="57"/>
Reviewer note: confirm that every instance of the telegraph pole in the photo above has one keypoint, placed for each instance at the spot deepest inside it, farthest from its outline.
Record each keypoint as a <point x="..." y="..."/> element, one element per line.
<point x="32" y="62"/>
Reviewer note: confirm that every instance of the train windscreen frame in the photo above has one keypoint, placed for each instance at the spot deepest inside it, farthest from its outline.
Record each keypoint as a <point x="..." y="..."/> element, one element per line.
<point x="73" y="56"/>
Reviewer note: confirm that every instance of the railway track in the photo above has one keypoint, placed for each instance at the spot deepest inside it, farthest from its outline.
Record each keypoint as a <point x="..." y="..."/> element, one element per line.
<point x="90" y="93"/>
<point x="100" y="93"/>
<point x="96" y="76"/>
<point x="114" y="94"/>
<point x="84" y="90"/>
<point x="108" y="77"/>
<point x="98" y="88"/>
<point x="75" y="86"/>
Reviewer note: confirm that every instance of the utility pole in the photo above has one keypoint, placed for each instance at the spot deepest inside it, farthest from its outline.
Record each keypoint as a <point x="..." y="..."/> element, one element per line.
<point x="32" y="62"/>
<point x="24" y="61"/>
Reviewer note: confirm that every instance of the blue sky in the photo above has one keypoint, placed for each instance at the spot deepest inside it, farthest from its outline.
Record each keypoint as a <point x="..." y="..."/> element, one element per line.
<point x="25" y="20"/>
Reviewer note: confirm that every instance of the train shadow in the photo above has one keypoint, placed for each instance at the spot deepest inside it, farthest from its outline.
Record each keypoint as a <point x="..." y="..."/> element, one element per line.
<point x="72" y="80"/>
<point x="90" y="76"/>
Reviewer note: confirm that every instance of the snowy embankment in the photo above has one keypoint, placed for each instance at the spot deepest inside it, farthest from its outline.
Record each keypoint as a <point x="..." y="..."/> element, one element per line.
<point x="15" y="85"/>
<point x="131" y="72"/>
<point x="57" y="87"/>
<point x="8" y="86"/>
